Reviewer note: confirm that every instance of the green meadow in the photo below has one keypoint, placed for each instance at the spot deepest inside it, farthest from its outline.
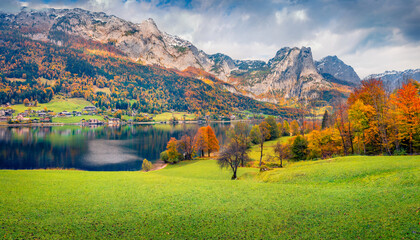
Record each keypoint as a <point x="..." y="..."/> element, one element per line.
<point x="166" y="116"/>
<point x="57" y="104"/>
<point x="342" y="198"/>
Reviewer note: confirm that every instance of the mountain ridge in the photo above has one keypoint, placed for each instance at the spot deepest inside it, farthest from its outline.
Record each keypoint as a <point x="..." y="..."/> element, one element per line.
<point x="291" y="73"/>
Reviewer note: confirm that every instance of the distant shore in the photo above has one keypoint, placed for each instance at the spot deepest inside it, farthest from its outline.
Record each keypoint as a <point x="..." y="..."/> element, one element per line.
<point x="132" y="123"/>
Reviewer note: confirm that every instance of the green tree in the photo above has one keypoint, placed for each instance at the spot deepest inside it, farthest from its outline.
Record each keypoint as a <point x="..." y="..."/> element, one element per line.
<point x="286" y="128"/>
<point x="325" y="120"/>
<point x="299" y="148"/>
<point x="146" y="165"/>
<point x="274" y="130"/>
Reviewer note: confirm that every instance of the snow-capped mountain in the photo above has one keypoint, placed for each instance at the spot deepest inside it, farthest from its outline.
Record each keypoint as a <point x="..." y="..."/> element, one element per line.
<point x="394" y="79"/>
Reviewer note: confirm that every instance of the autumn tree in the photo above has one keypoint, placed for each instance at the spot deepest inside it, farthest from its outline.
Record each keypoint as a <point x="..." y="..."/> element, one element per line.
<point x="186" y="147"/>
<point x="407" y="101"/>
<point x="201" y="141"/>
<point x="173" y="155"/>
<point x="360" y="116"/>
<point x="26" y="102"/>
<point x="324" y="143"/>
<point x="343" y="125"/>
<point x="213" y="143"/>
<point x="371" y="92"/>
<point x="281" y="129"/>
<point x="282" y="151"/>
<point x="294" y="128"/>
<point x="239" y="135"/>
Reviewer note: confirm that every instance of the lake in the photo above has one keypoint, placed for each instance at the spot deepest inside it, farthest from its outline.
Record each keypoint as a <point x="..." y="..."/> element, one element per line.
<point x="103" y="148"/>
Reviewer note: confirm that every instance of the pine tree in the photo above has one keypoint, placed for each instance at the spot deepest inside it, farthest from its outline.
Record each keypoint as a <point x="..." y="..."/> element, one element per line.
<point x="325" y="120"/>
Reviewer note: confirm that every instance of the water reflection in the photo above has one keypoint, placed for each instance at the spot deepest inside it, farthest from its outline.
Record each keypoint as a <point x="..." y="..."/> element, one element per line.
<point x="102" y="148"/>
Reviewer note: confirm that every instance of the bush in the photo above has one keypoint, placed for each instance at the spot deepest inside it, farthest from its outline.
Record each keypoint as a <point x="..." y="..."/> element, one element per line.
<point x="146" y="166"/>
<point x="164" y="156"/>
<point x="299" y="148"/>
<point x="264" y="168"/>
<point x="400" y="152"/>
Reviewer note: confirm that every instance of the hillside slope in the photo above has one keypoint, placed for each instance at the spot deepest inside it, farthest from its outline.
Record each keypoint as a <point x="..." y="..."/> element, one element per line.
<point x="85" y="66"/>
<point x="328" y="199"/>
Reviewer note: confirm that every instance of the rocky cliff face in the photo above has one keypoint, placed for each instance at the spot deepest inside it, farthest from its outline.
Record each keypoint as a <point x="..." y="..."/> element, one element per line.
<point x="394" y="79"/>
<point x="291" y="73"/>
<point x="334" y="69"/>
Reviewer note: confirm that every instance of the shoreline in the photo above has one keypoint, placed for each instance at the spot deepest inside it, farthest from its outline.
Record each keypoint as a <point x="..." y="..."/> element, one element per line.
<point x="132" y="123"/>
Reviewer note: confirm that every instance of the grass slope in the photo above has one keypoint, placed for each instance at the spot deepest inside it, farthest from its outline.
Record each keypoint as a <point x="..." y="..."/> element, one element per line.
<point x="57" y="104"/>
<point x="255" y="151"/>
<point x="166" y="116"/>
<point x="345" y="198"/>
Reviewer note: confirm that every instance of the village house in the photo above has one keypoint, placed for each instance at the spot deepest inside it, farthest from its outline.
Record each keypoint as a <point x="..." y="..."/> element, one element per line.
<point x="4" y="119"/>
<point x="114" y="121"/>
<point x="45" y="120"/>
<point x="22" y="118"/>
<point x="77" y="114"/>
<point x="64" y="114"/>
<point x="89" y="109"/>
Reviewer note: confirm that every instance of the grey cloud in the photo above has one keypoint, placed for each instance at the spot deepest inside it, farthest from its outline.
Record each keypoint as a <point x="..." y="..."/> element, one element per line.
<point x="255" y="29"/>
<point x="11" y="6"/>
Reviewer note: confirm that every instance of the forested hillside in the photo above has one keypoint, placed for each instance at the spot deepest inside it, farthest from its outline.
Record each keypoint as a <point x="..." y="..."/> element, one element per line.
<point x="100" y="73"/>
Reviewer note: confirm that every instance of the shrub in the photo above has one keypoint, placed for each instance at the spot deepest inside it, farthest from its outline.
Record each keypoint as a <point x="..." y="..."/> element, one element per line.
<point x="400" y="152"/>
<point x="264" y="168"/>
<point x="299" y="148"/>
<point x="146" y="166"/>
<point x="164" y="156"/>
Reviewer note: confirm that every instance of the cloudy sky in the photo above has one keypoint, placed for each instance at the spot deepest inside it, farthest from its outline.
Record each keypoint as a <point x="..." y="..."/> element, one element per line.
<point x="370" y="35"/>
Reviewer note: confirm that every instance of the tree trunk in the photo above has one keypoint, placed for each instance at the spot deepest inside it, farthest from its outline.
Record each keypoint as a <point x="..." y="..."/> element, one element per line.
<point x="351" y="139"/>
<point x="202" y="153"/>
<point x="364" y="144"/>
<point x="234" y="175"/>
<point x="209" y="152"/>
<point x="262" y="149"/>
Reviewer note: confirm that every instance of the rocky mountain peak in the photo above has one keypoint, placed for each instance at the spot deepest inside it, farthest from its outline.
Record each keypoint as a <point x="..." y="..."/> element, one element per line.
<point x="332" y="68"/>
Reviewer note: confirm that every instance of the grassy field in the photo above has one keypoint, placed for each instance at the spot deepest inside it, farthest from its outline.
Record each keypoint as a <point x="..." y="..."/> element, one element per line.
<point x="343" y="198"/>
<point x="76" y="119"/>
<point x="57" y="104"/>
<point x="255" y="151"/>
<point x="167" y="116"/>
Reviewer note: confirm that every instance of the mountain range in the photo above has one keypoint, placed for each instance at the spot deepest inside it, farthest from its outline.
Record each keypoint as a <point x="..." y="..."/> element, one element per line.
<point x="290" y="74"/>
<point x="394" y="79"/>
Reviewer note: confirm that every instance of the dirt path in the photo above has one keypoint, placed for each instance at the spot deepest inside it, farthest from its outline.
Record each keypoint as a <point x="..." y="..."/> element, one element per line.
<point x="159" y="165"/>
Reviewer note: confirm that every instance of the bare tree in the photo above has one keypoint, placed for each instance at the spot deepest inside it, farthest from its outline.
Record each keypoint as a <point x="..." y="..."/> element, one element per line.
<point x="231" y="157"/>
<point x="282" y="151"/>
<point x="260" y="133"/>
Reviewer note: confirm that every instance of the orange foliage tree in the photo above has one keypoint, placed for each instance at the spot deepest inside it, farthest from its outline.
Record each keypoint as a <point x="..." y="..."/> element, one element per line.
<point x="407" y="101"/>
<point x="201" y="141"/>
<point x="213" y="143"/>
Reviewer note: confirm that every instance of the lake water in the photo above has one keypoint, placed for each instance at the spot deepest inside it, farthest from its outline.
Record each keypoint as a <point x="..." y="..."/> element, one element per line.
<point x="121" y="148"/>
